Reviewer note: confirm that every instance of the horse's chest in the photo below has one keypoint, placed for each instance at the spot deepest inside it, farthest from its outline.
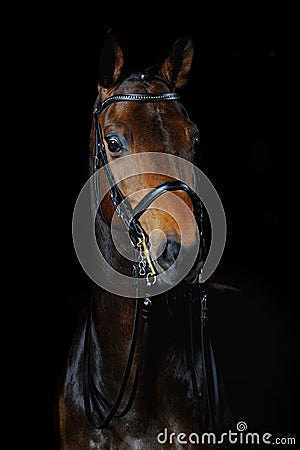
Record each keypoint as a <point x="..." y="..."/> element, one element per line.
<point x="165" y="432"/>
<point x="165" y="440"/>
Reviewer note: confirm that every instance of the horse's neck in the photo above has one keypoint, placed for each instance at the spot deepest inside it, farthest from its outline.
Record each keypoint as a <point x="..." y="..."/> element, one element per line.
<point x="168" y="340"/>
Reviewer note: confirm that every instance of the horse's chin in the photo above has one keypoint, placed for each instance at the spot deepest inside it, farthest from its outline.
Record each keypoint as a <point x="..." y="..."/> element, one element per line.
<point x="173" y="275"/>
<point x="168" y="278"/>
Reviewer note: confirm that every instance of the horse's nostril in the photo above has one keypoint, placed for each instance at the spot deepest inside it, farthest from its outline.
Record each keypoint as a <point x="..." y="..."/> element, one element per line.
<point x="169" y="254"/>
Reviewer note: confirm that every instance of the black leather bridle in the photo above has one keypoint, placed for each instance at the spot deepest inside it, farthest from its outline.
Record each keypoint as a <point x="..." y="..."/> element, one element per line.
<point x="93" y="399"/>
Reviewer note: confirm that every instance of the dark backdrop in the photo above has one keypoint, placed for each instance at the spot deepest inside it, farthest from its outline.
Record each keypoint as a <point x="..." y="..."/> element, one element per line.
<point x="242" y="91"/>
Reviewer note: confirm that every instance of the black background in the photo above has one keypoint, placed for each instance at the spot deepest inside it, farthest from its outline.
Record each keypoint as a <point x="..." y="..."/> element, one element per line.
<point x="243" y="94"/>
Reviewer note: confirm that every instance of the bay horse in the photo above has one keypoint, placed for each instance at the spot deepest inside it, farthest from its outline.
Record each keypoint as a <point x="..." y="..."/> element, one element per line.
<point x="149" y="383"/>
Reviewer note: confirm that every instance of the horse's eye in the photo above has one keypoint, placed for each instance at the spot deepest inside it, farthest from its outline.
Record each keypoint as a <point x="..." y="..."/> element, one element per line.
<point x="113" y="144"/>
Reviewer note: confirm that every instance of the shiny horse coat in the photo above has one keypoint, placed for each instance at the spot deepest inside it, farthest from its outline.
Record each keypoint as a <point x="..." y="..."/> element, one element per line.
<point x="164" y="403"/>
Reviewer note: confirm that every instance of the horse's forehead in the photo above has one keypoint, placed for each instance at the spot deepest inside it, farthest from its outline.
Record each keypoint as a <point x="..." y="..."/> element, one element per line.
<point x="147" y="123"/>
<point x="137" y="84"/>
<point x="165" y="114"/>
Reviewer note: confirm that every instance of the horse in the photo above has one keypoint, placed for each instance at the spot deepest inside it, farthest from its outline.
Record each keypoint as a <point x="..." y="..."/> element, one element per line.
<point x="138" y="375"/>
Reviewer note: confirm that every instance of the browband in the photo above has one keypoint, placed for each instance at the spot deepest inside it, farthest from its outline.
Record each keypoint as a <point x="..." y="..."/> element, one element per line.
<point x="136" y="98"/>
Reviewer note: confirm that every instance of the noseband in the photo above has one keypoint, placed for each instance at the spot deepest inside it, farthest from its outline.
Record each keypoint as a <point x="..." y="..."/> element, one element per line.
<point x="145" y="268"/>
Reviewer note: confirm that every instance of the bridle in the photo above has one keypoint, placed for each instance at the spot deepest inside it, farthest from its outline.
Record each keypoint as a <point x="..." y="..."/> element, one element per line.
<point x="144" y="268"/>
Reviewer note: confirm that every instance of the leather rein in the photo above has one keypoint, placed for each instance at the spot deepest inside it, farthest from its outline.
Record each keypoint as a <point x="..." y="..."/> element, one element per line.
<point x="144" y="268"/>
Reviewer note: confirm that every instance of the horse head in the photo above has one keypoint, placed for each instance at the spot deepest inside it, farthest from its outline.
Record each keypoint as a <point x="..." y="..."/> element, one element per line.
<point x="144" y="128"/>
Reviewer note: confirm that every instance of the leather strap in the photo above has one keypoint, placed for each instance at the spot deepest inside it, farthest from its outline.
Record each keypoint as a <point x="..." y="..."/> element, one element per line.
<point x="136" y="97"/>
<point x="91" y="394"/>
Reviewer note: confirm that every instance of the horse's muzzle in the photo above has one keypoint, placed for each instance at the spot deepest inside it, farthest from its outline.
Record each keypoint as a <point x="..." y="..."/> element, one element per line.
<point x="168" y="255"/>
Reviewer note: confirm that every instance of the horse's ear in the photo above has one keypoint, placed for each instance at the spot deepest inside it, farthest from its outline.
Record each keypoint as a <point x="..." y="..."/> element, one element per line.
<point x="111" y="62"/>
<point x="177" y="66"/>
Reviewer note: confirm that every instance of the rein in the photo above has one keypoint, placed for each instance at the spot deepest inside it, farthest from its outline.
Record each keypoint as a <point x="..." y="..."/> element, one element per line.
<point x="144" y="268"/>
